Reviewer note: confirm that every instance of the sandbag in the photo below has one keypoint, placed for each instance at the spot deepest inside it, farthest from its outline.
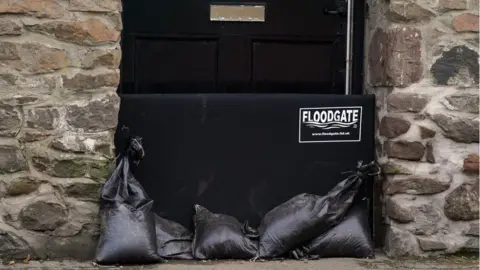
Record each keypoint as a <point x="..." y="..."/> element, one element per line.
<point x="127" y="233"/>
<point x="307" y="216"/>
<point x="173" y="240"/>
<point x="219" y="236"/>
<point x="351" y="238"/>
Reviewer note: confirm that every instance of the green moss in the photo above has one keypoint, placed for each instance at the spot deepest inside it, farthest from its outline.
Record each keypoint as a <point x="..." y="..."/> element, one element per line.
<point x="101" y="171"/>
<point x="70" y="168"/>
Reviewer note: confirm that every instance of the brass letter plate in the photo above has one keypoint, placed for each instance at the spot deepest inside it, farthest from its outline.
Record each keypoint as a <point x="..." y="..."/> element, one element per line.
<point x="237" y="13"/>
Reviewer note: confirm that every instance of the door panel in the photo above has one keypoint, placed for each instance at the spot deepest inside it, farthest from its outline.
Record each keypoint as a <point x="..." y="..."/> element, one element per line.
<point x="175" y="65"/>
<point x="174" y="47"/>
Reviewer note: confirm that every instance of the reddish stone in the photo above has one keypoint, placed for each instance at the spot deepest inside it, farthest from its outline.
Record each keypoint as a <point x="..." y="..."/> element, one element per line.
<point x="471" y="164"/>
<point x="466" y="22"/>
<point x="395" y="57"/>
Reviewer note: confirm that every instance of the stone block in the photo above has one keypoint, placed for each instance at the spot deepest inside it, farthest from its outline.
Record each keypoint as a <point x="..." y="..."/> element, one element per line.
<point x="32" y="57"/>
<point x="429" y="152"/>
<point x="417" y="185"/>
<point x="95" y="5"/>
<point x="446" y="5"/>
<point x="63" y="168"/>
<point x="408" y="11"/>
<point x="463" y="129"/>
<point x="432" y="243"/>
<point x="463" y="102"/>
<point x="457" y="66"/>
<point x="412" y="151"/>
<point x="45" y="118"/>
<point x="399" y="102"/>
<point x="396" y="210"/>
<point x="22" y="186"/>
<point x="10" y="28"/>
<point x="95" y="116"/>
<point x="41" y="9"/>
<point x="84" y="143"/>
<point x="92" y="31"/>
<point x="426" y="133"/>
<point x="10" y="120"/>
<point x="43" y="216"/>
<point x="102" y="58"/>
<point x="395" y="57"/>
<point x="466" y="22"/>
<point x="471" y="164"/>
<point x="12" y="159"/>
<point x="84" y="82"/>
<point x="392" y="127"/>
<point x="462" y="203"/>
<point x="86" y="190"/>
<point x="13" y="247"/>
<point x="400" y="243"/>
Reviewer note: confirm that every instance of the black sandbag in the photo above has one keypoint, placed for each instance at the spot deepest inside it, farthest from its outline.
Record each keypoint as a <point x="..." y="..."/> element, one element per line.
<point x="351" y="238"/>
<point x="306" y="216"/>
<point x="173" y="240"/>
<point x="127" y="233"/>
<point x="219" y="236"/>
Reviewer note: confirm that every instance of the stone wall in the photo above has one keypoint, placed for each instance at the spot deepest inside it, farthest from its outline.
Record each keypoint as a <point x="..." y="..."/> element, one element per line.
<point x="422" y="63"/>
<point x="58" y="109"/>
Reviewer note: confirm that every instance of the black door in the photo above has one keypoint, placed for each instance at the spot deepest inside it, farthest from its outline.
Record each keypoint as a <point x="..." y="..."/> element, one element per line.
<point x="274" y="46"/>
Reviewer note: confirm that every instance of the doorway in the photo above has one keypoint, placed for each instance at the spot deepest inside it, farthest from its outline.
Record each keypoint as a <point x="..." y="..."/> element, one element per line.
<point x="281" y="46"/>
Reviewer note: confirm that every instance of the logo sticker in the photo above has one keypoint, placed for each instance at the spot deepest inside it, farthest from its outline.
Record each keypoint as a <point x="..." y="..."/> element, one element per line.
<point x="330" y="124"/>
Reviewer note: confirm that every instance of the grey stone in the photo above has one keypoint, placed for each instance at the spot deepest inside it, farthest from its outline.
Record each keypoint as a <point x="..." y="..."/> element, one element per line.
<point x="462" y="102"/>
<point x="446" y="5"/>
<point x="426" y="133"/>
<point x="429" y="156"/>
<point x="84" y="143"/>
<point x="80" y="247"/>
<point x="395" y="210"/>
<point x="392" y="127"/>
<point x="407" y="11"/>
<point x="458" y="66"/>
<point x="416" y="185"/>
<point x="10" y="28"/>
<point x="473" y="230"/>
<point x="43" y="216"/>
<point x="96" y="116"/>
<point x="10" y="119"/>
<point x="63" y="168"/>
<point x="83" y="217"/>
<point x="393" y="167"/>
<point x="88" y="191"/>
<point x="21" y="186"/>
<point x="400" y="243"/>
<point x="13" y="247"/>
<point x="428" y="219"/>
<point x="12" y="159"/>
<point x="458" y="128"/>
<point x="413" y="151"/>
<point x="43" y="118"/>
<point x="85" y="82"/>
<point x="406" y="102"/>
<point x="431" y="243"/>
<point x="471" y="245"/>
<point x="462" y="203"/>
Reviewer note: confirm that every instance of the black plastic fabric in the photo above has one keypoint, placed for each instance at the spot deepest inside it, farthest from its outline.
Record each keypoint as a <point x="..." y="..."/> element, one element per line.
<point x="127" y="234"/>
<point x="306" y="216"/>
<point x="173" y="240"/>
<point x="219" y="236"/>
<point x="350" y="238"/>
